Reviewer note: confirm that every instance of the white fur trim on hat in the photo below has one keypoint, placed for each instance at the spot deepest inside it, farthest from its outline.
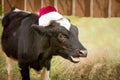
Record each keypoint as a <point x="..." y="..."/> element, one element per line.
<point x="45" y="20"/>
<point x="65" y="23"/>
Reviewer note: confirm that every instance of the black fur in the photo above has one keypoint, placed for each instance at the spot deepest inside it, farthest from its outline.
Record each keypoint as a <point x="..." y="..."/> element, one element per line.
<point x="32" y="45"/>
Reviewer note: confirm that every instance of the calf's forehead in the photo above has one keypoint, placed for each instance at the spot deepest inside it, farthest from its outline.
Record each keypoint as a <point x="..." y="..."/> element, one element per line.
<point x="73" y="30"/>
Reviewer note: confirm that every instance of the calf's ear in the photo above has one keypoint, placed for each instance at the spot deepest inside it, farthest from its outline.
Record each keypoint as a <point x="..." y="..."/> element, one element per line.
<point x="38" y="28"/>
<point x="43" y="30"/>
<point x="52" y="28"/>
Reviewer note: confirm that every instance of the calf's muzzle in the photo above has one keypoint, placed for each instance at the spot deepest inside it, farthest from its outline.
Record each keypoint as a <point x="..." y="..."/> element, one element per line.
<point x="82" y="53"/>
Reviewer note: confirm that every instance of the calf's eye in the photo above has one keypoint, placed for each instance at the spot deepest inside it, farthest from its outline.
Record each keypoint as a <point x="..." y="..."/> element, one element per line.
<point x="62" y="37"/>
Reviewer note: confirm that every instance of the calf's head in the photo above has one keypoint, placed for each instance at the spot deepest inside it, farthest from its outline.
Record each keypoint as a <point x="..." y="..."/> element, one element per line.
<point x="64" y="41"/>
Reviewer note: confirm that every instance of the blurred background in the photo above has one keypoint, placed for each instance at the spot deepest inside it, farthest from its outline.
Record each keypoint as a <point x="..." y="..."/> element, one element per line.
<point x="98" y="22"/>
<point x="81" y="8"/>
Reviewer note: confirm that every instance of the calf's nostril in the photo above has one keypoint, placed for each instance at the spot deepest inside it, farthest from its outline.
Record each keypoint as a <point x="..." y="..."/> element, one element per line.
<point x="83" y="53"/>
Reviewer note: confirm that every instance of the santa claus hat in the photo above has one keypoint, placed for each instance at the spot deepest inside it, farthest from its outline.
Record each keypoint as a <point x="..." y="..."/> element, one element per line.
<point x="49" y="13"/>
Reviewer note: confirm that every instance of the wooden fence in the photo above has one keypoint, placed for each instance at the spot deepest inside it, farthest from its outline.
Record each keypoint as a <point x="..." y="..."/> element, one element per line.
<point x="81" y="8"/>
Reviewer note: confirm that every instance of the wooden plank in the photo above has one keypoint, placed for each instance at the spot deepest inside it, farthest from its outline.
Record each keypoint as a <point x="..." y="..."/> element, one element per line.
<point x="33" y="5"/>
<point x="14" y="3"/>
<point x="115" y="10"/>
<point x="109" y="8"/>
<point x="79" y="8"/>
<point x="87" y="8"/>
<point x="30" y="5"/>
<point x="82" y="8"/>
<point x="100" y="8"/>
<point x="65" y="7"/>
<point x="37" y="5"/>
<point x="48" y="2"/>
<point x="0" y="2"/>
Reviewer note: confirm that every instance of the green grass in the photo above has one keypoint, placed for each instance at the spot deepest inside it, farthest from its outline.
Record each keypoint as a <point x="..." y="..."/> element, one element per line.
<point x="101" y="37"/>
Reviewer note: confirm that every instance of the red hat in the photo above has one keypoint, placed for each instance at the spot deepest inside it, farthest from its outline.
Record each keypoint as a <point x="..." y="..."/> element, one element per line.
<point x="46" y="10"/>
<point x="49" y="13"/>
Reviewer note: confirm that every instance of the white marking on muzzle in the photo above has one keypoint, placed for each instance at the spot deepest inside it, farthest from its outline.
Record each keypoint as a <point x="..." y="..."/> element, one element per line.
<point x="83" y="51"/>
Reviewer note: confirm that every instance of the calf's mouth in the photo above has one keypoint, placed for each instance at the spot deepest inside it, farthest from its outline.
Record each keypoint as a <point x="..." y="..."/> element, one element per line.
<point x="75" y="59"/>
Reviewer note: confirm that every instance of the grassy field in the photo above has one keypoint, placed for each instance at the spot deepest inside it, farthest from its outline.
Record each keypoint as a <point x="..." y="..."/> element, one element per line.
<point x="101" y="37"/>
